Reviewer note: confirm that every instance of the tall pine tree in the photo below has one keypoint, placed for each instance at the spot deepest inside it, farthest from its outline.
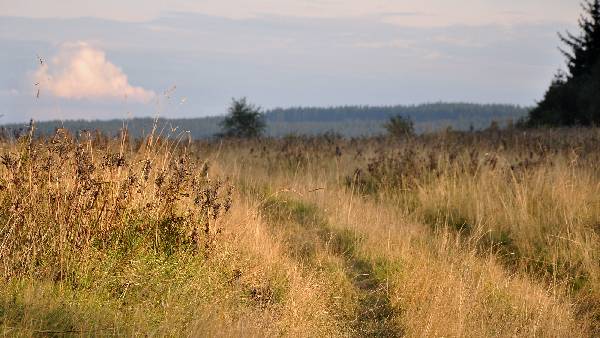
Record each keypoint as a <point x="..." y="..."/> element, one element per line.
<point x="574" y="97"/>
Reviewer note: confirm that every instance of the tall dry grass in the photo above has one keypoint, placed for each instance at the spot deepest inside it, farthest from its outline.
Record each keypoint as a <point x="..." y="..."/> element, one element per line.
<point x="68" y="195"/>
<point x="451" y="234"/>
<point x="521" y="204"/>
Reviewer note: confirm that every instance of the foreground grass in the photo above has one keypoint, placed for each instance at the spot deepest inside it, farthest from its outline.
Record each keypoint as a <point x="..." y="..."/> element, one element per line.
<point x="443" y="235"/>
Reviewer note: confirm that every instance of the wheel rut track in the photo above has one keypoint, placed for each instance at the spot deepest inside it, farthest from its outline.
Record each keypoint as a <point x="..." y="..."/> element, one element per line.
<point x="308" y="231"/>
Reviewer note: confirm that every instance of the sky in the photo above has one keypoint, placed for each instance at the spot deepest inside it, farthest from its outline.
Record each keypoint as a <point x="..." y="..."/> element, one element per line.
<point x="120" y="59"/>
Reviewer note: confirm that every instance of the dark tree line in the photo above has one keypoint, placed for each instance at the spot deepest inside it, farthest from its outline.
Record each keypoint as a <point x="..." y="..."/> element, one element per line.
<point x="573" y="97"/>
<point x="418" y="113"/>
<point x="349" y="121"/>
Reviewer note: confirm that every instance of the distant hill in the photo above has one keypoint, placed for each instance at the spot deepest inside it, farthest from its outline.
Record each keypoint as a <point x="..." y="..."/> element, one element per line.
<point x="368" y="120"/>
<point x="350" y="121"/>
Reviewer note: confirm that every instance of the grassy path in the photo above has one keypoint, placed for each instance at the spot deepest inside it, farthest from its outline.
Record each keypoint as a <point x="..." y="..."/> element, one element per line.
<point x="310" y="239"/>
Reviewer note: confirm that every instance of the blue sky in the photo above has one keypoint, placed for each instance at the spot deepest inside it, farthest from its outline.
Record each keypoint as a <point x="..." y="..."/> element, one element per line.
<point x="117" y="59"/>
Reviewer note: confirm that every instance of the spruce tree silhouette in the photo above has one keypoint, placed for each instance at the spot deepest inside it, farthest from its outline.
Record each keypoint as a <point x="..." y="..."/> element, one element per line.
<point x="574" y="96"/>
<point x="243" y="121"/>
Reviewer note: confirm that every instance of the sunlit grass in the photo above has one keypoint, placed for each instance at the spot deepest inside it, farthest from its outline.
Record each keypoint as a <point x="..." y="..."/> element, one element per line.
<point x="450" y="234"/>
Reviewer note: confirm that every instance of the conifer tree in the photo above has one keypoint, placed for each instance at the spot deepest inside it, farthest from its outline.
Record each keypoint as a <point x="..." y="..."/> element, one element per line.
<point x="585" y="48"/>
<point x="574" y="97"/>
<point x="243" y="121"/>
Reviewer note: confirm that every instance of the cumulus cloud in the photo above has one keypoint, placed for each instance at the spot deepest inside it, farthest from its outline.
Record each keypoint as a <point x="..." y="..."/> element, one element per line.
<point x="81" y="71"/>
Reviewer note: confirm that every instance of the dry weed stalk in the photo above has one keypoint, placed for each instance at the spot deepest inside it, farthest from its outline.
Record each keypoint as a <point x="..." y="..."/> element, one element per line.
<point x="67" y="194"/>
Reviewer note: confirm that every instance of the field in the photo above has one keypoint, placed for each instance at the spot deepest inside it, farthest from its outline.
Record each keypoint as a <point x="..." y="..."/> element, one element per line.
<point x="470" y="234"/>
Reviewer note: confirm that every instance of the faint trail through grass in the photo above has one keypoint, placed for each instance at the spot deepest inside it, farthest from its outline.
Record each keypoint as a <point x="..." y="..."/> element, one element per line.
<point x="308" y="234"/>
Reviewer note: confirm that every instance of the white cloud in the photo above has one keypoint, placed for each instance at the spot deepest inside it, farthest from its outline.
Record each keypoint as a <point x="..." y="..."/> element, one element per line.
<point x="81" y="71"/>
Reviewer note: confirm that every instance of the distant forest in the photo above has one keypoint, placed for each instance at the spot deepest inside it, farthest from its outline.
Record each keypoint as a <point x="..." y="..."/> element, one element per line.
<point x="349" y="121"/>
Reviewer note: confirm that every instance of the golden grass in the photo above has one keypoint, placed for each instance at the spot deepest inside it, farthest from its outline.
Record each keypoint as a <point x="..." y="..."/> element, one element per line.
<point x="483" y="234"/>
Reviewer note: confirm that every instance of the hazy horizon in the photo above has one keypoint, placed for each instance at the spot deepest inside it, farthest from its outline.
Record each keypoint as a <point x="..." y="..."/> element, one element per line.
<point x="117" y="60"/>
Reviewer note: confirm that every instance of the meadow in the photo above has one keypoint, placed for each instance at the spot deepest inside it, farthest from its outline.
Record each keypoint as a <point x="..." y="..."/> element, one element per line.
<point x="455" y="234"/>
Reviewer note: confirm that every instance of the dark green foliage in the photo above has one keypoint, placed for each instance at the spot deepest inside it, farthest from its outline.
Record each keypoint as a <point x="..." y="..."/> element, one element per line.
<point x="572" y="98"/>
<point x="585" y="48"/>
<point x="244" y="120"/>
<point x="399" y="126"/>
<point x="427" y="112"/>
